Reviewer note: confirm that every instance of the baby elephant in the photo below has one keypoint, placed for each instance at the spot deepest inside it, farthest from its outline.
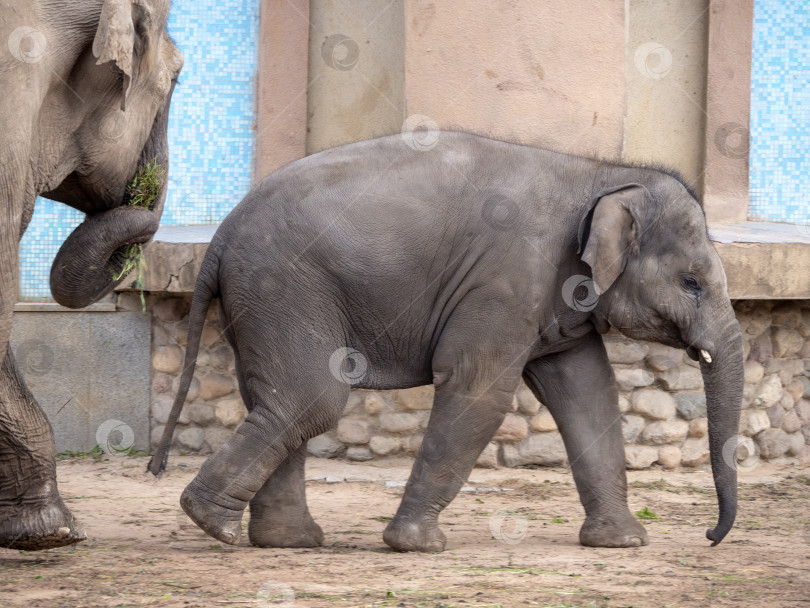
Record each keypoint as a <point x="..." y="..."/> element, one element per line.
<point x="468" y="266"/>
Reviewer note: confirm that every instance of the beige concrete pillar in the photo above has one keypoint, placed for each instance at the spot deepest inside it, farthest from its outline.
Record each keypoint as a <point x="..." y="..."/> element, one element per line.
<point x="728" y="107"/>
<point x="356" y="71"/>
<point x="545" y="72"/>
<point x="281" y="106"/>
<point x="666" y="85"/>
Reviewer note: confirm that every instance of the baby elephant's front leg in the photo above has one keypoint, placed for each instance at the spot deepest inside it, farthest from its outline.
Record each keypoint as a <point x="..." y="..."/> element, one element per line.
<point x="579" y="389"/>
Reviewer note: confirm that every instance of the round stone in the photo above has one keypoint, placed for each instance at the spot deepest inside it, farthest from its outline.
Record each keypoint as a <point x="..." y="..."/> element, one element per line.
<point x="325" y="446"/>
<point x="698" y="427"/>
<point x="632" y="427"/>
<point x="773" y="443"/>
<point x="162" y="406"/>
<point x="231" y="412"/>
<point x="669" y="456"/>
<point x="167" y="359"/>
<point x="661" y="432"/>
<point x="191" y="438"/>
<point x="398" y="422"/>
<point x="513" y="428"/>
<point x="653" y="403"/>
<point x="384" y="446"/>
<point x="200" y="413"/>
<point x="489" y="457"/>
<point x="359" y="454"/>
<point x="214" y="386"/>
<point x="639" y="456"/>
<point x="695" y="451"/>
<point x="353" y="431"/>
<point x="374" y="403"/>
<point x="543" y="422"/>
<point x="193" y="388"/>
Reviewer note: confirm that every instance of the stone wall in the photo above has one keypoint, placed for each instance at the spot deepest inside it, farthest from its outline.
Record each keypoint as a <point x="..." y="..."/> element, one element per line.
<point x="661" y="399"/>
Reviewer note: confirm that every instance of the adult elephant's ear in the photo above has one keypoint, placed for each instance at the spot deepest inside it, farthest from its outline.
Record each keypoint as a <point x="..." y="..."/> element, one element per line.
<point x="119" y="40"/>
<point x="610" y="233"/>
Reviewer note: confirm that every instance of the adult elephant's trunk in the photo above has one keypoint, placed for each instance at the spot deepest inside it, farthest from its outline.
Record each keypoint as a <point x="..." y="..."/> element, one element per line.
<point x="90" y="261"/>
<point x="723" y="379"/>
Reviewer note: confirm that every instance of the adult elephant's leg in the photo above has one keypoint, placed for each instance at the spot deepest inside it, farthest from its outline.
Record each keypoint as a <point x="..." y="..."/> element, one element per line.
<point x="579" y="389"/>
<point x="279" y="516"/>
<point x="32" y="514"/>
<point x="475" y="374"/>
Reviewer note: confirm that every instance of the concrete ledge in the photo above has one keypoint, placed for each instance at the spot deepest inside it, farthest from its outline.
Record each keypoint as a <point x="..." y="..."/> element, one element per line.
<point x="54" y="307"/>
<point x="173" y="260"/>
<point x="762" y="260"/>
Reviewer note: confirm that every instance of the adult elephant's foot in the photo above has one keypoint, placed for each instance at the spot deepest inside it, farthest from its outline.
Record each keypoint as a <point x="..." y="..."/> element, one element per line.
<point x="274" y="527"/>
<point x="411" y="535"/>
<point x="613" y="531"/>
<point x="35" y="527"/>
<point x="223" y="524"/>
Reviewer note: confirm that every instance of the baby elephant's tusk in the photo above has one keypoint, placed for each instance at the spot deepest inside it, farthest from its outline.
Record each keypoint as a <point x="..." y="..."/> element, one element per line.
<point x="706" y="356"/>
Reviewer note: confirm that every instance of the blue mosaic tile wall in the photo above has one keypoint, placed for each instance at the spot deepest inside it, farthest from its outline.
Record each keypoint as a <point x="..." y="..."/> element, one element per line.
<point x="211" y="138"/>
<point x="780" y="112"/>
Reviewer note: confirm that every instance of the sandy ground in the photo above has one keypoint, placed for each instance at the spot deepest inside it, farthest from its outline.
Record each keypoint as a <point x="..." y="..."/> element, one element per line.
<point x="505" y="548"/>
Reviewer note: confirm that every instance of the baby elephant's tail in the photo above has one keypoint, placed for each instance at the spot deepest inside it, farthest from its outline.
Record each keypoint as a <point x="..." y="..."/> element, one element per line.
<point x="205" y="290"/>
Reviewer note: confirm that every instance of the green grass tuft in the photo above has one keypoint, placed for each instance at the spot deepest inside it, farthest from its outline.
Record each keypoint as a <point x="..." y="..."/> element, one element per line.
<point x="145" y="186"/>
<point x="142" y="192"/>
<point x="645" y="513"/>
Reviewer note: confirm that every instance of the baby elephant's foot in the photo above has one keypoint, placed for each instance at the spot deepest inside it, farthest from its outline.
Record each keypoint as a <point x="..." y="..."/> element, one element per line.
<point x="272" y="528"/>
<point x="410" y="535"/>
<point x="223" y="524"/>
<point x="624" y="531"/>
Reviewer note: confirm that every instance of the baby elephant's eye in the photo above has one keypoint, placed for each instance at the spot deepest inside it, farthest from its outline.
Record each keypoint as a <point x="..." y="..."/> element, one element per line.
<point x="690" y="282"/>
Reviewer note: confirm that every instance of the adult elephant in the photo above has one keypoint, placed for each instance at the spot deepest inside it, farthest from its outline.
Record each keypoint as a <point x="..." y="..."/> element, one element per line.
<point x="86" y="91"/>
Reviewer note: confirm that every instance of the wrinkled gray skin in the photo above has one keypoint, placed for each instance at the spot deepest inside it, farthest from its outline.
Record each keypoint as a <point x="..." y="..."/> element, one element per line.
<point x="449" y="266"/>
<point x="85" y="99"/>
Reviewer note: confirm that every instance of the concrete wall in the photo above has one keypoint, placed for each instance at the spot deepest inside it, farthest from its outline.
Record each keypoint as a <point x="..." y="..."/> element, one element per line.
<point x="663" y="408"/>
<point x="89" y="371"/>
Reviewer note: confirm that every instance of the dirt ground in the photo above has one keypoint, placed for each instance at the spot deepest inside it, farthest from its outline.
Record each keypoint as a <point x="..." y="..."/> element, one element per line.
<point x="513" y="547"/>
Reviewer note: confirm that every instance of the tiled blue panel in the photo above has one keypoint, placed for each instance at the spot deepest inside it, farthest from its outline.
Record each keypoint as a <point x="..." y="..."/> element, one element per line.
<point x="211" y="138"/>
<point x="211" y="135"/>
<point x="51" y="224"/>
<point x="780" y="112"/>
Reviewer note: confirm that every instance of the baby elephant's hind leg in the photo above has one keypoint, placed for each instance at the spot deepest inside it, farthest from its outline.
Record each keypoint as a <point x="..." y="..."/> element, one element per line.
<point x="279" y="516"/>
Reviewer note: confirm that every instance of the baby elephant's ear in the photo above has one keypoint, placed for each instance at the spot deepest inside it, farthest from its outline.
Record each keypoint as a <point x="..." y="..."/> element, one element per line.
<point x="613" y="235"/>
